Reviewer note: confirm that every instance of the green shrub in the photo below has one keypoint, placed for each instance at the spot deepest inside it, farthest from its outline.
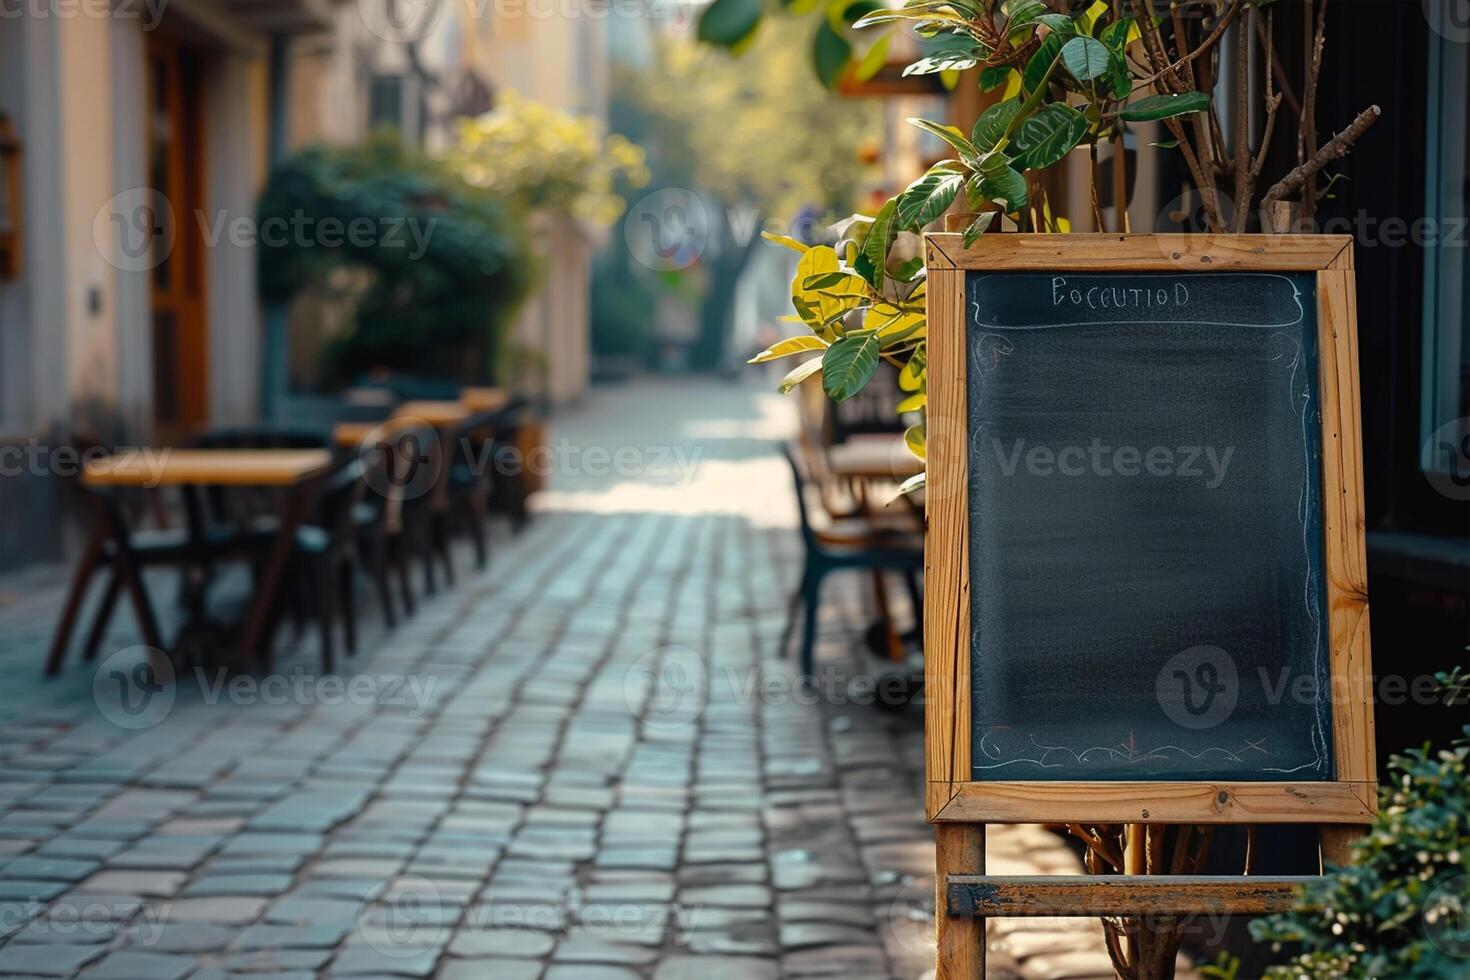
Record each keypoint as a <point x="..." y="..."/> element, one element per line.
<point x="437" y="270"/>
<point x="1401" y="910"/>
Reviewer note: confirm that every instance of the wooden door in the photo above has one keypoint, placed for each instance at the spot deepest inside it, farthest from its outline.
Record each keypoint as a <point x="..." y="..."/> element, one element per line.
<point x="174" y="139"/>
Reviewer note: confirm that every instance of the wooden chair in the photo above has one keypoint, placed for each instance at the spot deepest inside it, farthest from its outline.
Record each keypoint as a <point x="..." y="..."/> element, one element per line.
<point x="471" y="478"/>
<point x="326" y="557"/>
<point x="850" y="544"/>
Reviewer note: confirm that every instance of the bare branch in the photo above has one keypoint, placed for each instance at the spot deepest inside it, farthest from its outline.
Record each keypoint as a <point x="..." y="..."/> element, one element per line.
<point x="1241" y="111"/>
<point x="1335" y="149"/>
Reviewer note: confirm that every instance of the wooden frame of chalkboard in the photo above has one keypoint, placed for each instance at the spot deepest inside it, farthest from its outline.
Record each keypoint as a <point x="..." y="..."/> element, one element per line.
<point x="959" y="804"/>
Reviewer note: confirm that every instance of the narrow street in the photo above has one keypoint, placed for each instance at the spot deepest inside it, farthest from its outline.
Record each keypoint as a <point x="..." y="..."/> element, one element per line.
<point x="584" y="763"/>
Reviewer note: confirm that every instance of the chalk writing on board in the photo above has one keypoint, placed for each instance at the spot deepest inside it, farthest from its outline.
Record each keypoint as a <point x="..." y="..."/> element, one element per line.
<point x="1145" y="480"/>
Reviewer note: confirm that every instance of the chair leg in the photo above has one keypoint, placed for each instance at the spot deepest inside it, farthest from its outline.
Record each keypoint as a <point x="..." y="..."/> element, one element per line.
<point x="86" y="566"/>
<point x="399" y="546"/>
<point x="439" y="534"/>
<point x="326" y="604"/>
<point x="476" y="520"/>
<point x="423" y="542"/>
<point x="377" y="560"/>
<point x="916" y="598"/>
<point x="347" y="595"/>
<point x="812" y="596"/>
<point x="793" y="609"/>
<point x="103" y="616"/>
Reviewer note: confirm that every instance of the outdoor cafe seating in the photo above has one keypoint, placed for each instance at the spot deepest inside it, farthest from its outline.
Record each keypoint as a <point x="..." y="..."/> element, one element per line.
<point x="309" y="516"/>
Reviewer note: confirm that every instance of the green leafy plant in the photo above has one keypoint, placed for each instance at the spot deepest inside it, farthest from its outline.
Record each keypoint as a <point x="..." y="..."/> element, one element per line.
<point x="1402" y="907"/>
<point x="538" y="157"/>
<point x="440" y="268"/>
<point x="1069" y="74"/>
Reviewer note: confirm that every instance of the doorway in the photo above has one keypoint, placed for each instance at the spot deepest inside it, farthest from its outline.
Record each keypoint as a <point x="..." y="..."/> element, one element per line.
<point x="174" y="140"/>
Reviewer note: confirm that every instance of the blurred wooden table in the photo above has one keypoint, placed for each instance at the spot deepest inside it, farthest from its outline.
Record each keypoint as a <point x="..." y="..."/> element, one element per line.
<point x="873" y="458"/>
<point x="294" y="471"/>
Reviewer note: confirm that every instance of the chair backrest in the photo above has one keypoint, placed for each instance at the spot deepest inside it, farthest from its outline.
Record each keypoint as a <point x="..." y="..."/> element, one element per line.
<point x="472" y="443"/>
<point x="799" y="479"/>
<point x="259" y="438"/>
<point x="342" y="490"/>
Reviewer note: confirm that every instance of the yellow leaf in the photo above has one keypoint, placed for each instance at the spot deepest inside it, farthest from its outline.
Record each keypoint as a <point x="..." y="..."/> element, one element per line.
<point x="800" y="373"/>
<point x="1087" y="20"/>
<point x="1013" y="85"/>
<point x="914" y="439"/>
<point x="913" y="403"/>
<point x="819" y="308"/>
<point x="786" y="240"/>
<point x="911" y="378"/>
<point x="875" y="58"/>
<point x="787" y="347"/>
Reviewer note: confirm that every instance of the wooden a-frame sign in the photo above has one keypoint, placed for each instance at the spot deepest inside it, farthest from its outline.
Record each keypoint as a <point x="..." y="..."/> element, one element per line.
<point x="1340" y="800"/>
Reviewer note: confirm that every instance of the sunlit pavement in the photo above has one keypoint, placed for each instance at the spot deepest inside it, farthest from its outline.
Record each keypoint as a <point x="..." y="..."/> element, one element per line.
<point x="584" y="763"/>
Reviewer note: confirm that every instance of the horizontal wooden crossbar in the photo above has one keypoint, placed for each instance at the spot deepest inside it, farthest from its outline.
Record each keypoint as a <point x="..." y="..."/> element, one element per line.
<point x="1160" y="802"/>
<point x="972" y="896"/>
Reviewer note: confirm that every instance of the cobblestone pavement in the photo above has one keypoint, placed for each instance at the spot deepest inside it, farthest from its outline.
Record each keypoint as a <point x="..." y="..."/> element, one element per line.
<point x="584" y="763"/>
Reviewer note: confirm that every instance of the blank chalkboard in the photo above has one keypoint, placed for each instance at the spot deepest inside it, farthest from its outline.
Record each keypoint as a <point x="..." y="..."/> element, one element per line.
<point x="1145" y="515"/>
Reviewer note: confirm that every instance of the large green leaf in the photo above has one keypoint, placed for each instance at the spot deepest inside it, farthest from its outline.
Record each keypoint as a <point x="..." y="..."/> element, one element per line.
<point x="879" y="240"/>
<point x="1047" y="136"/>
<point x="1000" y="183"/>
<point x="994" y="77"/>
<point x="1085" y="57"/>
<point x="848" y="365"/>
<point x="728" y="22"/>
<point x="1166" y="106"/>
<point x="1023" y="13"/>
<point x="1059" y="24"/>
<point x="993" y="122"/>
<point x="978" y="228"/>
<point x="1041" y="62"/>
<point x="927" y="198"/>
<point x="831" y="54"/>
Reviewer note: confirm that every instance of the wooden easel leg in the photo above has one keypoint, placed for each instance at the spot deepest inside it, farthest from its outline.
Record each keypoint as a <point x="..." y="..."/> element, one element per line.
<point x="959" y="849"/>
<point x="1336" y="840"/>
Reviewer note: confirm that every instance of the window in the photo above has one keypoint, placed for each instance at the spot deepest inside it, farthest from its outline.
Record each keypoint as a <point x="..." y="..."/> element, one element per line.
<point x="1445" y="408"/>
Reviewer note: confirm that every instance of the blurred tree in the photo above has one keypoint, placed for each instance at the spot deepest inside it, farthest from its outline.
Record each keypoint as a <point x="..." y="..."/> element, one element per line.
<point x="759" y="143"/>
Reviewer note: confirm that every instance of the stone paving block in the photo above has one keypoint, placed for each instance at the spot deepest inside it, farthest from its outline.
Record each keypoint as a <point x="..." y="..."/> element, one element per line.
<point x="127" y="964"/>
<point x="498" y="969"/>
<point x="224" y="911"/>
<point x="358" y="961"/>
<point x="501" y="943"/>
<point x="725" y="967"/>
